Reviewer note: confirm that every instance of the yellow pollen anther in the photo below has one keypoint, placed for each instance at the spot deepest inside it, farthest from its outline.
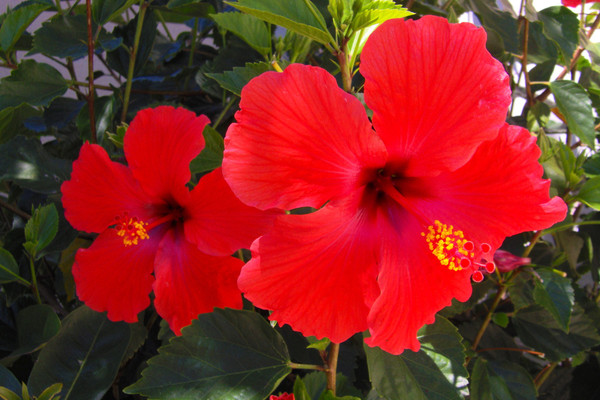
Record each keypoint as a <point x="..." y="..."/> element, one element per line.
<point x="131" y="230"/>
<point x="447" y="244"/>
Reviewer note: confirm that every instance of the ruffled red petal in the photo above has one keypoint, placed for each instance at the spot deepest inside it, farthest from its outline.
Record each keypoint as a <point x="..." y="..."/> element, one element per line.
<point x="101" y="189"/>
<point x="218" y="222"/>
<point x="159" y="146"/>
<point x="414" y="285"/>
<point x="316" y="271"/>
<point x="498" y="193"/>
<point x="189" y="282"/>
<point x="299" y="141"/>
<point x="110" y="276"/>
<point x="435" y="92"/>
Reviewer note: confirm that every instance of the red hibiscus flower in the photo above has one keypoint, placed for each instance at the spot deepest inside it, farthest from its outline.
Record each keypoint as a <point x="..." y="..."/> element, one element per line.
<point x="283" y="396"/>
<point x="156" y="234"/>
<point x="410" y="206"/>
<point x="575" y="3"/>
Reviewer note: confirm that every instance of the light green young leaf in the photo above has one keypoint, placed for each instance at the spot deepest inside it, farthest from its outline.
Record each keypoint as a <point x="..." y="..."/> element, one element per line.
<point x="299" y="16"/>
<point x="42" y="227"/>
<point x="590" y="193"/>
<point x="248" y="28"/>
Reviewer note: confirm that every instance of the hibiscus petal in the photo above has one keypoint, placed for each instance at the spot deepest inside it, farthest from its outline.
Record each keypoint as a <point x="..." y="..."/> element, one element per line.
<point x="316" y="271"/>
<point x="189" y="282"/>
<point x="100" y="190"/>
<point x="498" y="193"/>
<point x="159" y="146"/>
<point x="299" y="141"/>
<point x="435" y="92"/>
<point x="218" y="222"/>
<point x="414" y="285"/>
<point x="110" y="276"/>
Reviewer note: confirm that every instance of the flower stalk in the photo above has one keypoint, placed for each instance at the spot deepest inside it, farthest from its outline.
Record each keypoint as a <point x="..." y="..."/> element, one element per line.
<point x="332" y="360"/>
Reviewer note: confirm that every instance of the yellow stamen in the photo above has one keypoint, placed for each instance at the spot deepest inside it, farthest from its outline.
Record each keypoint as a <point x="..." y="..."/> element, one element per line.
<point x="132" y="231"/>
<point x="447" y="245"/>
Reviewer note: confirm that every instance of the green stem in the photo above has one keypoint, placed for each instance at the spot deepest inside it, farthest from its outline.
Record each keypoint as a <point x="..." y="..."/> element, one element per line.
<point x="544" y="374"/>
<point x="18" y="278"/>
<point x="164" y="25"/>
<point x="132" y="57"/>
<point x="534" y="240"/>
<point x="345" y="67"/>
<point x="306" y="366"/>
<point x="488" y="317"/>
<point x="313" y="11"/>
<point x="34" y="285"/>
<point x="91" y="91"/>
<point x="194" y="34"/>
<point x="332" y="360"/>
<point x="222" y="115"/>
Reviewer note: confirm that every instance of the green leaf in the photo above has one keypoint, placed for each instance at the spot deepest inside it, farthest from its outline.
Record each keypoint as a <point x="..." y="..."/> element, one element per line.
<point x="316" y="385"/>
<point x="328" y="395"/>
<point x="66" y="36"/>
<point x="296" y="15"/>
<point x="538" y="117"/>
<point x="36" y="84"/>
<point x="501" y="22"/>
<point x="235" y="80"/>
<point x="36" y="325"/>
<point x="556" y="295"/>
<point x="591" y="166"/>
<point x="574" y="103"/>
<point x="590" y="193"/>
<point x="318" y="344"/>
<point x="15" y="23"/>
<point x="50" y="392"/>
<point x="9" y="269"/>
<point x="434" y="372"/>
<point x="7" y="394"/>
<point x="8" y="380"/>
<point x="300" y="392"/>
<point x="104" y="11"/>
<point x="118" y="137"/>
<point x="562" y="26"/>
<point x="211" y="156"/>
<point x="500" y="319"/>
<point x="27" y="164"/>
<point x="248" y="28"/>
<point x="538" y="329"/>
<point x="11" y="121"/>
<point x="226" y="354"/>
<point x="501" y="380"/>
<point x="571" y="244"/>
<point x="85" y="356"/>
<point x="521" y="291"/>
<point x="42" y="227"/>
<point x="378" y="12"/>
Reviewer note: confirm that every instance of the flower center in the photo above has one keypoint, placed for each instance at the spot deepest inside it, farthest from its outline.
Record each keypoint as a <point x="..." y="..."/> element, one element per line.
<point x="132" y="229"/>
<point x="454" y="251"/>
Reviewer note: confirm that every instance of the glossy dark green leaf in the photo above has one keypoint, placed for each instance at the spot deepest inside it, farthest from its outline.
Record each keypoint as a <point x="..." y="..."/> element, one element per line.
<point x="104" y="11"/>
<point x="501" y="380"/>
<point x="296" y="15"/>
<point x="211" y="156"/>
<point x="119" y="59"/>
<point x="8" y="380"/>
<point x="248" y="28"/>
<point x="11" y="121"/>
<point x="85" y="356"/>
<point x="521" y="291"/>
<point x="590" y="192"/>
<point x="66" y="36"/>
<point x="561" y="25"/>
<point x="571" y="244"/>
<point x="501" y="22"/>
<point x="105" y="109"/>
<point x="42" y="227"/>
<point x="34" y="83"/>
<point x="25" y="162"/>
<point x="538" y="329"/>
<point x="556" y="295"/>
<point x="434" y="372"/>
<point x="235" y="80"/>
<point x="226" y="354"/>
<point x="9" y="269"/>
<point x="36" y="325"/>
<point x="15" y="23"/>
<point x="574" y="103"/>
